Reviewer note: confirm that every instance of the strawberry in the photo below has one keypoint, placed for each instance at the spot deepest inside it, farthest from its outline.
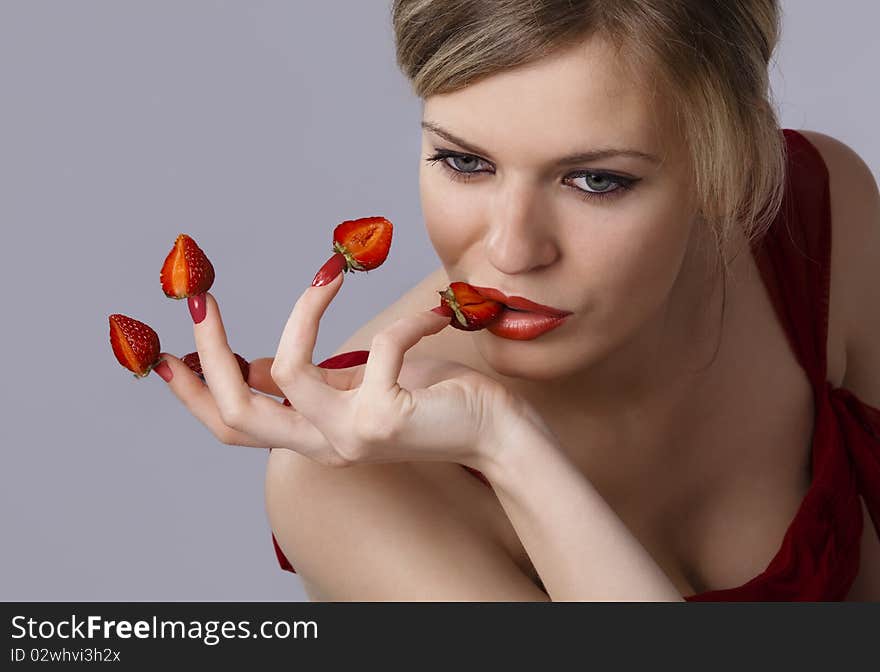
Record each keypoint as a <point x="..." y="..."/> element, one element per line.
<point x="359" y="245"/>
<point x="134" y="343"/>
<point x="193" y="362"/>
<point x="470" y="310"/>
<point x="186" y="271"/>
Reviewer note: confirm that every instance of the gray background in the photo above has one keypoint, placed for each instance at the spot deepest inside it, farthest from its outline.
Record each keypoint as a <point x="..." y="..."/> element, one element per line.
<point x="255" y="127"/>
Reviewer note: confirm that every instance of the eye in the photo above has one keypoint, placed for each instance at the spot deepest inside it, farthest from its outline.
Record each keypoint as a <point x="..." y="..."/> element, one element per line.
<point x="596" y="184"/>
<point x="463" y="164"/>
<point x="463" y="167"/>
<point x="458" y="166"/>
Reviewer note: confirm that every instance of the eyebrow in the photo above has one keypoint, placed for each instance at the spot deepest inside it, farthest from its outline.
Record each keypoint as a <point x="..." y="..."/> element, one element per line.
<point x="578" y="157"/>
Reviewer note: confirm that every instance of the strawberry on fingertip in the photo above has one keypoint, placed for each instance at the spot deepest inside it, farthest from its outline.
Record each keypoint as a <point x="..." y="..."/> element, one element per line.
<point x="187" y="271"/>
<point x="135" y="344"/>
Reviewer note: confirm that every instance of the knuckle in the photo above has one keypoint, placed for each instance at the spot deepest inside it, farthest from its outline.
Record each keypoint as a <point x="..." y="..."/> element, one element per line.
<point x="233" y="415"/>
<point x="282" y="373"/>
<point x="225" y="435"/>
<point x="337" y="461"/>
<point x="372" y="427"/>
<point x="383" y="338"/>
<point x="352" y="452"/>
<point x="279" y="373"/>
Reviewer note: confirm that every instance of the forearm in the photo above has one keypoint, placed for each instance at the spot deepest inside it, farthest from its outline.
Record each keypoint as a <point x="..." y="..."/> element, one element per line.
<point x="579" y="546"/>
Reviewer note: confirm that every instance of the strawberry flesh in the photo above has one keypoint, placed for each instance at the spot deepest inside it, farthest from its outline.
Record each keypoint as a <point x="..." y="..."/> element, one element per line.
<point x="187" y="271"/>
<point x="193" y="362"/>
<point x="363" y="243"/>
<point x="470" y="311"/>
<point x="134" y="343"/>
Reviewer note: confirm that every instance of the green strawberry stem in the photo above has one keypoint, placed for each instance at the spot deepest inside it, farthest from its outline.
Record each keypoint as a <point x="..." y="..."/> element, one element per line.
<point x="449" y="296"/>
<point x="351" y="264"/>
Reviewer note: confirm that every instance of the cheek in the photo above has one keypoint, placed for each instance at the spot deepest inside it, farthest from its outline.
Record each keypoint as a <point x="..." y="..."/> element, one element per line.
<point x="632" y="271"/>
<point x="450" y="215"/>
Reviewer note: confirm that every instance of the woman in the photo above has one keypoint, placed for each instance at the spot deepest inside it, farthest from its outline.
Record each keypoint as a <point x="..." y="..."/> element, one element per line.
<point x="703" y="422"/>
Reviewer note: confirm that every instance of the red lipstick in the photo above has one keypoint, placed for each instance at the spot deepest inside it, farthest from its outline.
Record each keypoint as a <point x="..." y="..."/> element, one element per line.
<point x="521" y="319"/>
<point x="519" y="303"/>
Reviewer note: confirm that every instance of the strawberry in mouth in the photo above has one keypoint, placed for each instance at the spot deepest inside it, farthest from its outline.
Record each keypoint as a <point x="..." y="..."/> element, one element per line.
<point x="469" y="310"/>
<point x="519" y="319"/>
<point x="473" y="308"/>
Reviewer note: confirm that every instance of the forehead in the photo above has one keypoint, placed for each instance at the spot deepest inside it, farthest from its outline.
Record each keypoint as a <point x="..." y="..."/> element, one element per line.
<point x="578" y="98"/>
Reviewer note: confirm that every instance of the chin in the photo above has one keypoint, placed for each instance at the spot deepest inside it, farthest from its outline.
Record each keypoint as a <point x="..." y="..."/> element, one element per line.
<point x="511" y="359"/>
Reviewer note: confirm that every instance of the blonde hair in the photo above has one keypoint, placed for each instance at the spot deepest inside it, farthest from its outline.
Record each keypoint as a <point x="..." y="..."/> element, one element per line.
<point x="710" y="59"/>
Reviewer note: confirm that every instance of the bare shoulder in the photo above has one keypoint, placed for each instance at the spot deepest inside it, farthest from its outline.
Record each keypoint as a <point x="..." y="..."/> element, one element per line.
<point x="855" y="259"/>
<point x="383" y="532"/>
<point x="855" y="266"/>
<point x="399" y="531"/>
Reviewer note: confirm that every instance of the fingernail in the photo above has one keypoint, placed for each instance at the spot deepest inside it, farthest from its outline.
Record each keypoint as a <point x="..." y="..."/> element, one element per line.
<point x="328" y="272"/>
<point x="445" y="311"/>
<point x="197" y="307"/>
<point x="164" y="371"/>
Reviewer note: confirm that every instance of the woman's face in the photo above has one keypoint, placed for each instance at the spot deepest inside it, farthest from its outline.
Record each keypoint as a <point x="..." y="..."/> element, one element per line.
<point x="567" y="235"/>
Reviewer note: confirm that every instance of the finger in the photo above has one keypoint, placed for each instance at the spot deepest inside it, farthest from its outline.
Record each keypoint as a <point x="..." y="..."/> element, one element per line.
<point x="297" y="344"/>
<point x="260" y="376"/>
<point x="197" y="398"/>
<point x="280" y="427"/>
<point x="219" y="365"/>
<point x="389" y="348"/>
<point x="304" y="384"/>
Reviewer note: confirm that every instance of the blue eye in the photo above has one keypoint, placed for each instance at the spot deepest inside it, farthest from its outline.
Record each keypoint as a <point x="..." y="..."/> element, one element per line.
<point x="463" y="173"/>
<point x="467" y="164"/>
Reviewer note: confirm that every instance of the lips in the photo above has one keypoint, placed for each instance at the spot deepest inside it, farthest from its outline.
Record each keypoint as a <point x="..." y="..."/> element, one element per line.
<point x="520" y="303"/>
<point x="523" y="326"/>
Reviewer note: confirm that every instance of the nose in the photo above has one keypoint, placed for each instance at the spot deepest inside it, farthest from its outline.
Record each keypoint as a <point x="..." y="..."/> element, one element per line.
<point x="520" y="234"/>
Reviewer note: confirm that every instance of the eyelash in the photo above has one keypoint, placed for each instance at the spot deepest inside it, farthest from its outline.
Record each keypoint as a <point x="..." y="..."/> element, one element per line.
<point x="623" y="183"/>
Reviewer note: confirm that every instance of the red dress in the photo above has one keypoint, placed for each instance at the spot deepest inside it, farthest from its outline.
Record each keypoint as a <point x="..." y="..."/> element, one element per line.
<point x="818" y="557"/>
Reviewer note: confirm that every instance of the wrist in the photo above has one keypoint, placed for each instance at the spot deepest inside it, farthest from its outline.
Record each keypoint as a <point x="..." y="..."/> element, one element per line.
<point x="519" y="435"/>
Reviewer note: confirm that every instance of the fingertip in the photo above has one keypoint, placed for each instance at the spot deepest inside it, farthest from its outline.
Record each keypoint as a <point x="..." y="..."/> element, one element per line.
<point x="163" y="370"/>
<point x="331" y="284"/>
<point x="198" y="307"/>
<point x="442" y="317"/>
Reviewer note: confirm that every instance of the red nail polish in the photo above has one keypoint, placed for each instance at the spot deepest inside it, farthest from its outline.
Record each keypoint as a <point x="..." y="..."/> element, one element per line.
<point x="443" y="310"/>
<point x="197" y="307"/>
<point x="164" y="371"/>
<point x="331" y="268"/>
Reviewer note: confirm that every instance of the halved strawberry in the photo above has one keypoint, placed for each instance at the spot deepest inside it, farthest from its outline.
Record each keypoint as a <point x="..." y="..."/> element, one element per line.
<point x="359" y="245"/>
<point x="192" y="361"/>
<point x="134" y="343"/>
<point x="186" y="271"/>
<point x="470" y="311"/>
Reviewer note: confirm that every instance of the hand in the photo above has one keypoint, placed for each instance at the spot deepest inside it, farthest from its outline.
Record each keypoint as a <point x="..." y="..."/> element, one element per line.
<point x="344" y="416"/>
